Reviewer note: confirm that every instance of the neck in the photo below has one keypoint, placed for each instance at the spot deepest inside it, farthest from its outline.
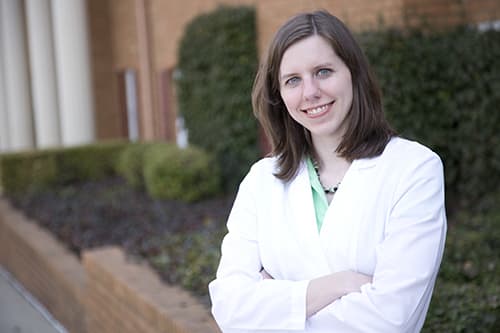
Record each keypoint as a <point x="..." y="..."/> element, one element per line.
<point x="330" y="162"/>
<point x="331" y="166"/>
<point x="325" y="151"/>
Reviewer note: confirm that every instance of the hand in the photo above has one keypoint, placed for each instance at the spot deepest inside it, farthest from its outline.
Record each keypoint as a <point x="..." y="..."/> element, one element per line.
<point x="324" y="290"/>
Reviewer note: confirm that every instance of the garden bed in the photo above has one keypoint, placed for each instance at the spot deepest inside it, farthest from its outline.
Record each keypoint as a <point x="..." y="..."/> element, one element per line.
<point x="176" y="238"/>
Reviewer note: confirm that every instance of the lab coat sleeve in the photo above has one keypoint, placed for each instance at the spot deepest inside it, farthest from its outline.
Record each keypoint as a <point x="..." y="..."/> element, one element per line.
<point x="407" y="260"/>
<point x="241" y="299"/>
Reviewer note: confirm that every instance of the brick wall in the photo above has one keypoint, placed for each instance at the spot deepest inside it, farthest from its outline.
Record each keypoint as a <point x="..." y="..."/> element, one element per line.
<point x="106" y="292"/>
<point x="44" y="267"/>
<point x="440" y="14"/>
<point x="357" y="14"/>
<point x="119" y="288"/>
<point x="115" y="39"/>
<point x="114" y="47"/>
<point x="108" y="117"/>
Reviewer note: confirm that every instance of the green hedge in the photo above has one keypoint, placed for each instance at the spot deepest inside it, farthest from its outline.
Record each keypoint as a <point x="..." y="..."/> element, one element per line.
<point x="130" y="164"/>
<point x="188" y="174"/>
<point x="467" y="293"/>
<point x="162" y="169"/>
<point x="34" y="170"/>
<point x="443" y="89"/>
<point x="217" y="64"/>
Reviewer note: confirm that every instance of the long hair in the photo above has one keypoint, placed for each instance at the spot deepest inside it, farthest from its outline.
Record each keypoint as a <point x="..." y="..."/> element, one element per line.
<point x="367" y="131"/>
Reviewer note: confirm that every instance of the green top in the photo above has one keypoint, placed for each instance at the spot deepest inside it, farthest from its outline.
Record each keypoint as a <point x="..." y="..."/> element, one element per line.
<point x="318" y="194"/>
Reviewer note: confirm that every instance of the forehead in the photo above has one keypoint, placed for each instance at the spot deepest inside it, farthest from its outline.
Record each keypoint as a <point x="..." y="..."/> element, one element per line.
<point x="308" y="51"/>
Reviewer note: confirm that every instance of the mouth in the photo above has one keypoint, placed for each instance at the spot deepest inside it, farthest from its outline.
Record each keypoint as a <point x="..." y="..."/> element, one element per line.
<point x="318" y="109"/>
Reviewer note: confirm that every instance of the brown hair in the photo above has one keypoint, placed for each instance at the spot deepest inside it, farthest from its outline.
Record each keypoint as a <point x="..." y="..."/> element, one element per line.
<point x="367" y="130"/>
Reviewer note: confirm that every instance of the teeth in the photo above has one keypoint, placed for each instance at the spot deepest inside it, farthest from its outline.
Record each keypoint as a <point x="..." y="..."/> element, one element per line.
<point x="317" y="110"/>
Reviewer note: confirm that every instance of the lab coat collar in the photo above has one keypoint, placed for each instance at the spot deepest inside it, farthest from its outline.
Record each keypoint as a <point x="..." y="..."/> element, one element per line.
<point x="304" y="221"/>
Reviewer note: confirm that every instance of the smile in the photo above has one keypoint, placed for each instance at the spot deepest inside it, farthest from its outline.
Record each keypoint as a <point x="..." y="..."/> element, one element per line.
<point x="317" y="110"/>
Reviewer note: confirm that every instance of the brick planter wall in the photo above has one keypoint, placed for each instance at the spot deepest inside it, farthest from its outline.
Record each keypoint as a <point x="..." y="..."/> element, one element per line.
<point x="119" y="288"/>
<point x="105" y="292"/>
<point x="45" y="268"/>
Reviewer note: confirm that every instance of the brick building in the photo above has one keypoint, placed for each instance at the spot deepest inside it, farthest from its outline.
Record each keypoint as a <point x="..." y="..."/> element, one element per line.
<point x="73" y="72"/>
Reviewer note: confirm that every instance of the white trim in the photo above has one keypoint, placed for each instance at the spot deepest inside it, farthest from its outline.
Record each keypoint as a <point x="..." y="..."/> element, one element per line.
<point x="489" y="25"/>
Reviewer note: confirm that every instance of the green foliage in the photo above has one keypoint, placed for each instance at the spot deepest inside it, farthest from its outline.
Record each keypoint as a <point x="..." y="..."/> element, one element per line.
<point x="186" y="174"/>
<point x="166" y="171"/>
<point x="89" y="162"/>
<point x="464" y="307"/>
<point x="191" y="258"/>
<point x="467" y="292"/>
<point x="443" y="89"/>
<point x="130" y="164"/>
<point x="35" y="170"/>
<point x="217" y="64"/>
<point x="27" y="170"/>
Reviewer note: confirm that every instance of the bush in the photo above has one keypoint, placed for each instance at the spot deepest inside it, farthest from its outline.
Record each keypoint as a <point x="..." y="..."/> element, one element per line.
<point x="89" y="162"/>
<point x="35" y="170"/>
<point x="130" y="164"/>
<point x="189" y="259"/>
<point x="27" y="171"/>
<point x="217" y="63"/>
<point x="185" y="174"/>
<point x="443" y="89"/>
<point x="467" y="292"/>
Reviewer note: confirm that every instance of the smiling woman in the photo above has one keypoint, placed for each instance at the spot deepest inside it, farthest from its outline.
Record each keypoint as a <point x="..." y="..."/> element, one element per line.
<point x="301" y="257"/>
<point x="316" y="87"/>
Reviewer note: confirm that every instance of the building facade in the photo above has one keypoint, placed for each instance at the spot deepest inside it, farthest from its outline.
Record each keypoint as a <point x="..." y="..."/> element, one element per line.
<point x="78" y="71"/>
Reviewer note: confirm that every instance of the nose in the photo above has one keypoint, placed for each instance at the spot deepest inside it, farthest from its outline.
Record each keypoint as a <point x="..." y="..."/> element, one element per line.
<point x="311" y="89"/>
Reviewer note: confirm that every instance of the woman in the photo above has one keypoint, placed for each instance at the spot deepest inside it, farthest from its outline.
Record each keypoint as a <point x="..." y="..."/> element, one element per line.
<point x="342" y="228"/>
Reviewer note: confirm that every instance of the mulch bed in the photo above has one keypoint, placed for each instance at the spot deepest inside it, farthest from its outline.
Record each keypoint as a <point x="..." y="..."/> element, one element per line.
<point x="109" y="212"/>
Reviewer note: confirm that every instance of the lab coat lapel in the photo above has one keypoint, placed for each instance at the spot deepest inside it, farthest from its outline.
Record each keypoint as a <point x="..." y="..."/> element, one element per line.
<point x="303" y="221"/>
<point x="340" y="230"/>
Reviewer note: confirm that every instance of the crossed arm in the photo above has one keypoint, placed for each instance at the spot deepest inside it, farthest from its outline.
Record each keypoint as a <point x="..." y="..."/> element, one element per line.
<point x="324" y="290"/>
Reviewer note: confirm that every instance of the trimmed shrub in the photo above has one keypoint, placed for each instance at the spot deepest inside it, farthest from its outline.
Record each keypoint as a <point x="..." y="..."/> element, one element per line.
<point x="184" y="174"/>
<point x="24" y="171"/>
<point x="89" y="162"/>
<point x="34" y="170"/>
<point x="217" y="64"/>
<point x="130" y="164"/>
<point x="443" y="89"/>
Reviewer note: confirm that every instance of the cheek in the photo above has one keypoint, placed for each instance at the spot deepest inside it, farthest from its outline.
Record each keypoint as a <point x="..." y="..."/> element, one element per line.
<point x="290" y="100"/>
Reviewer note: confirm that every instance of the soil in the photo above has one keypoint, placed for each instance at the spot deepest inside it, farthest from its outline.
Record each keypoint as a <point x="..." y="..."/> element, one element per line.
<point x="109" y="212"/>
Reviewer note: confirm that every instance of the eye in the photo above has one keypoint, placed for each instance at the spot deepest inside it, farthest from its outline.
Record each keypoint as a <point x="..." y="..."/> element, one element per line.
<point x="324" y="72"/>
<point x="292" y="82"/>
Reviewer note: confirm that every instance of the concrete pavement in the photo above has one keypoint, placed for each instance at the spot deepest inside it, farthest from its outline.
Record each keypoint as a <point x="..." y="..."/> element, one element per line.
<point x="20" y="312"/>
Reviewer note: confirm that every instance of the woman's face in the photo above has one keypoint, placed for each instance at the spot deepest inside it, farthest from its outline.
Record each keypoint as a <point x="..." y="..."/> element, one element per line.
<point x="316" y="87"/>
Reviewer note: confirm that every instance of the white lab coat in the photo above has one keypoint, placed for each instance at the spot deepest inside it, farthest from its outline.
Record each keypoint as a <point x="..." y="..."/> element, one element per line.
<point x="386" y="220"/>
